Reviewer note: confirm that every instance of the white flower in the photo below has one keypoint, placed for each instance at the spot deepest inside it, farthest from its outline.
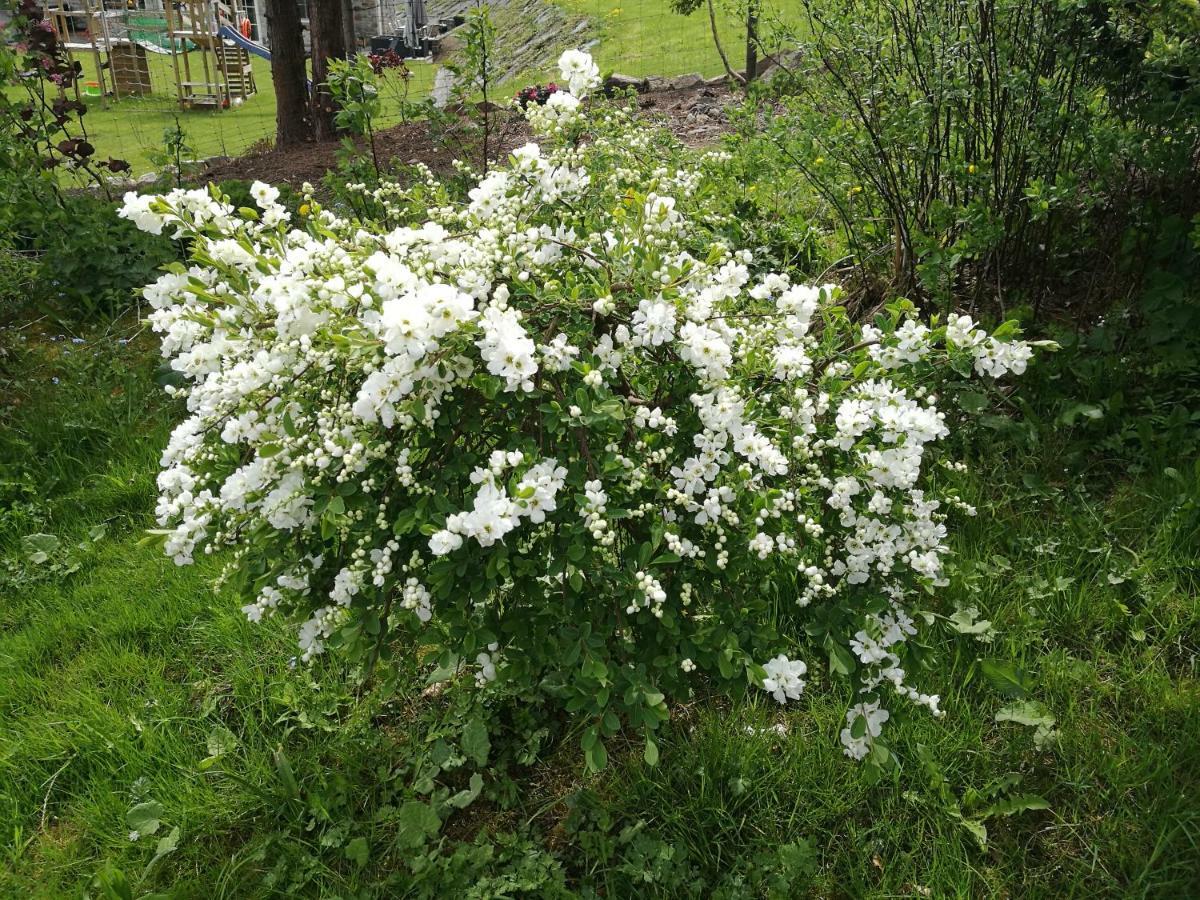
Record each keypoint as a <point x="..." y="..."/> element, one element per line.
<point x="444" y="541"/>
<point x="653" y="323"/>
<point x="858" y="747"/>
<point x="961" y="331"/>
<point x="661" y="215"/>
<point x="264" y="195"/>
<point x="560" y="110"/>
<point x="579" y="71"/>
<point x="996" y="358"/>
<point x="136" y="208"/>
<point x="784" y="679"/>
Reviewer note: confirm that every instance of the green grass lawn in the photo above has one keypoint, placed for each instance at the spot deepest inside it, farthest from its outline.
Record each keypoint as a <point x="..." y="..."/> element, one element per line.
<point x="132" y="128"/>
<point x="644" y="37"/>
<point x="637" y="38"/>
<point x="125" y="680"/>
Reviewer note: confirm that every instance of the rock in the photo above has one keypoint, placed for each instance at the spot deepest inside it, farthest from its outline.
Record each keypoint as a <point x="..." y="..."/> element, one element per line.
<point x="685" y="82"/>
<point x="718" y="81"/>
<point x="616" y="82"/>
<point x="781" y="64"/>
<point x="443" y="84"/>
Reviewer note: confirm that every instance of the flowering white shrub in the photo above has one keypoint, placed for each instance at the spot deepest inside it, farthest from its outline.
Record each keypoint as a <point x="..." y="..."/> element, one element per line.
<point x="559" y="432"/>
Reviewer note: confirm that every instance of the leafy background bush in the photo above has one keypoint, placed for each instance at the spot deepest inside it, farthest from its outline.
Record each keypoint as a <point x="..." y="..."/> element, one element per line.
<point x="81" y="260"/>
<point x="992" y="154"/>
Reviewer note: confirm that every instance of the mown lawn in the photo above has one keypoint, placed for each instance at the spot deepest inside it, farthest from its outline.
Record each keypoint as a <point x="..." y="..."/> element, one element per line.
<point x="132" y="128"/>
<point x="125" y="680"/>
<point x="645" y="37"/>
<point x="640" y="38"/>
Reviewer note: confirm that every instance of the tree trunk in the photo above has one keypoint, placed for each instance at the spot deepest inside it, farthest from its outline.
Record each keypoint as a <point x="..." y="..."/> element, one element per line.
<point x="348" y="25"/>
<point x="292" y="123"/>
<point x="751" y="40"/>
<point x="328" y="37"/>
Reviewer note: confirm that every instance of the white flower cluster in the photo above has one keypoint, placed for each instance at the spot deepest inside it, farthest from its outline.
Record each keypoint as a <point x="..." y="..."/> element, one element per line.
<point x="384" y="417"/>
<point x="992" y="357"/>
<point x="562" y="108"/>
<point x="864" y="723"/>
<point x="495" y="513"/>
<point x="785" y="678"/>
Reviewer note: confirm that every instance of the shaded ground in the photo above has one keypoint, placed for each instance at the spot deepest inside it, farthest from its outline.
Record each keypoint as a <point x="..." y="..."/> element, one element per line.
<point x="695" y="115"/>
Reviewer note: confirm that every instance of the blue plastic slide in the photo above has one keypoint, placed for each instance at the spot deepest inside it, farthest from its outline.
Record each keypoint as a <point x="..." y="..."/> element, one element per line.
<point x="232" y="34"/>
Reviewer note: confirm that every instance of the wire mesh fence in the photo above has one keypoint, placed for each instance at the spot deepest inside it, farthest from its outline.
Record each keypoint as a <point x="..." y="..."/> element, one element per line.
<point x="201" y="68"/>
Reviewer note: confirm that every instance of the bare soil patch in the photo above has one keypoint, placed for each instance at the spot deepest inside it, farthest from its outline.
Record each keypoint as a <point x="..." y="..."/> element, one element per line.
<point x="697" y="116"/>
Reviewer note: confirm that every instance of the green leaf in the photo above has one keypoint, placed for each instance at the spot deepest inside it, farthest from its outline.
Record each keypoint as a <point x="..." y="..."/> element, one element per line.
<point x="416" y="822"/>
<point x="859" y="728"/>
<point x="651" y="752"/>
<point x="973" y="402"/>
<point x="590" y="737"/>
<point x="358" y="851"/>
<point x="798" y="858"/>
<point x="406" y="521"/>
<point x="594" y="668"/>
<point x="1005" y="677"/>
<point x="966" y="621"/>
<point x="475" y="741"/>
<point x="840" y="660"/>
<point x="112" y="883"/>
<point x="220" y="741"/>
<point x="286" y="777"/>
<point x="145" y="818"/>
<point x="40" y="547"/>
<point x="597" y="757"/>
<point x="1026" y="712"/>
<point x="463" y="799"/>
<point x="1017" y="803"/>
<point x="166" y="845"/>
<point x="978" y="830"/>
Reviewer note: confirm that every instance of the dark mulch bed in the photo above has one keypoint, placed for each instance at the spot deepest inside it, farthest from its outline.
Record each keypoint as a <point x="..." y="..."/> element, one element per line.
<point x="696" y="115"/>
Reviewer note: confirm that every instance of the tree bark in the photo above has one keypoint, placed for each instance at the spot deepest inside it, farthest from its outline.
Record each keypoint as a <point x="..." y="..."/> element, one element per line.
<point x="751" y="40"/>
<point x="348" y="25"/>
<point x="292" y="117"/>
<point x="328" y="37"/>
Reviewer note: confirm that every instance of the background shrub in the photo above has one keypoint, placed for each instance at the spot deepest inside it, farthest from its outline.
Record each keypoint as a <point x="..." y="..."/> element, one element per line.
<point x="988" y="153"/>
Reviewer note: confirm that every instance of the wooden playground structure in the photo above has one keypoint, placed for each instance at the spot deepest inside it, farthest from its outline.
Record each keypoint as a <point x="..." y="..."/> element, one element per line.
<point x="208" y="41"/>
